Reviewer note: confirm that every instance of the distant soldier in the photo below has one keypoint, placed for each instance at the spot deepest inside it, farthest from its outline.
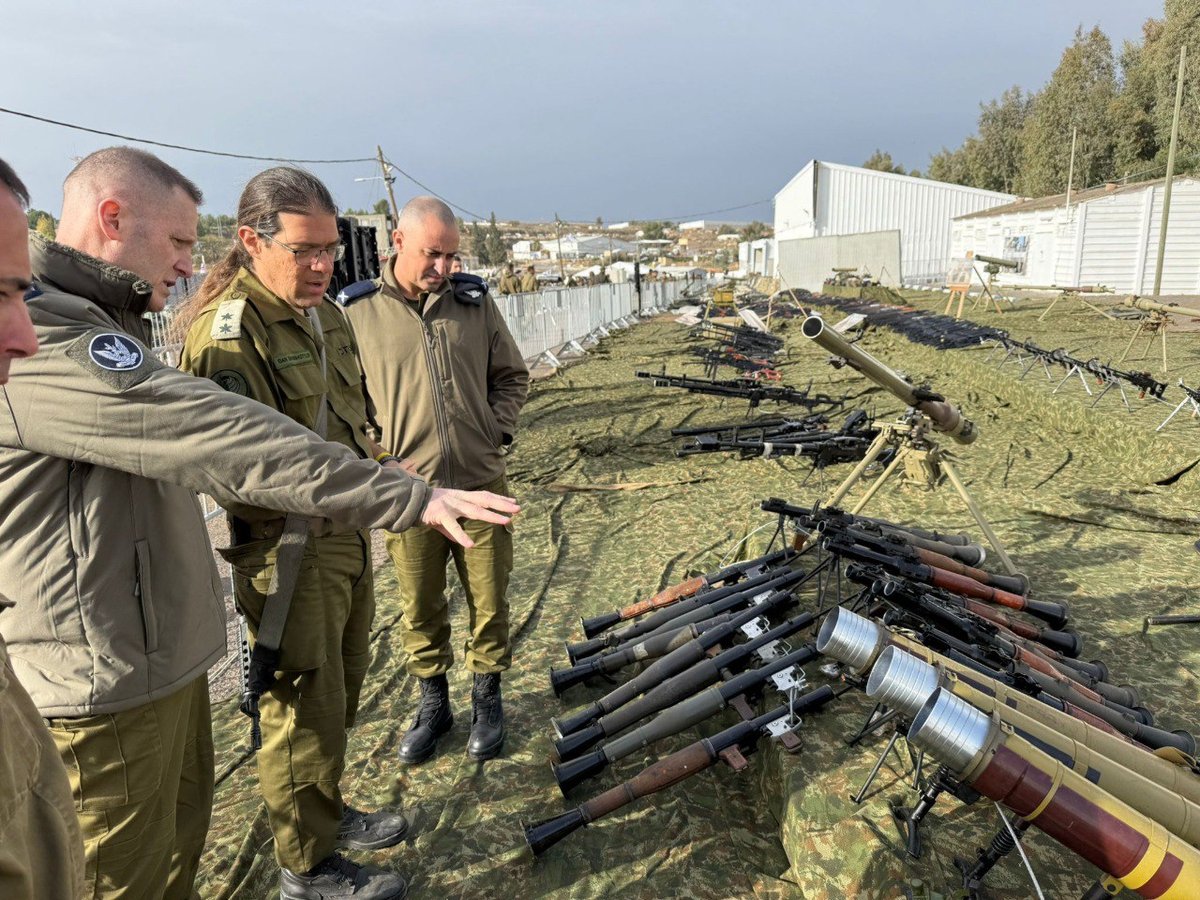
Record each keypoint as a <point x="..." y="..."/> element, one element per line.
<point x="508" y="281"/>
<point x="456" y="265"/>
<point x="529" y="282"/>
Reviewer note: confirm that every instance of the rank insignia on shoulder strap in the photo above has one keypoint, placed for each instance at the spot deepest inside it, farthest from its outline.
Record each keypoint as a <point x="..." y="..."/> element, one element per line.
<point x="352" y="293"/>
<point x="469" y="289"/>
<point x="227" y="323"/>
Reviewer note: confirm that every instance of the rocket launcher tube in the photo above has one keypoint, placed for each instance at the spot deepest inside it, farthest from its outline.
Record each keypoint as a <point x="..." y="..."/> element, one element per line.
<point x="706" y="671"/>
<point x="946" y="417"/>
<point x="679" y="717"/>
<point x="904" y="682"/>
<point x="857" y="642"/>
<point x="668" y="771"/>
<point x="775" y="579"/>
<point x="683" y="590"/>
<point x="1126" y="844"/>
<point x="648" y="648"/>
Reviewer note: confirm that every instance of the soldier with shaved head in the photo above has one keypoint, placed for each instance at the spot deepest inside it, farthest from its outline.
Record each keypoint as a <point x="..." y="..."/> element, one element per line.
<point x="447" y="382"/>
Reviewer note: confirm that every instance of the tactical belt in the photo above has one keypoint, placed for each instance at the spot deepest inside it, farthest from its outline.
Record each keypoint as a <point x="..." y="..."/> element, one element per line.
<point x="264" y="660"/>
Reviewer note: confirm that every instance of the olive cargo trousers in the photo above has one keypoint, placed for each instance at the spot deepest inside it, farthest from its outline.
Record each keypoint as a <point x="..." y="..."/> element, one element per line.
<point x="420" y="555"/>
<point x="143" y="785"/>
<point x="41" y="852"/>
<point x="323" y="659"/>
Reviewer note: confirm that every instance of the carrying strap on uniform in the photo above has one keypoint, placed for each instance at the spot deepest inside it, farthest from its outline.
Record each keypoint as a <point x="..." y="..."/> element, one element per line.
<point x="264" y="660"/>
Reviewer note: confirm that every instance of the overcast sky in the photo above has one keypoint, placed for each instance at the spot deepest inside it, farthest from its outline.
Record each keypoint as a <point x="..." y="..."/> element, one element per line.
<point x="619" y="109"/>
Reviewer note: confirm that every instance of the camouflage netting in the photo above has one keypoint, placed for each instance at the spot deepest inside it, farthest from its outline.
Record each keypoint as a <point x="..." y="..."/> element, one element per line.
<point x="1099" y="510"/>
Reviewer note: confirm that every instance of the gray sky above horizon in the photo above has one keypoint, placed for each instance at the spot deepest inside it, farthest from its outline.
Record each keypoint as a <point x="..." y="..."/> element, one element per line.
<point x="616" y="109"/>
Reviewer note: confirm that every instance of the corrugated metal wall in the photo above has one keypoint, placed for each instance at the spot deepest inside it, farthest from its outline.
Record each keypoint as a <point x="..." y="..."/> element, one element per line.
<point x="807" y="262"/>
<point x="852" y="200"/>
<point x="1110" y="241"/>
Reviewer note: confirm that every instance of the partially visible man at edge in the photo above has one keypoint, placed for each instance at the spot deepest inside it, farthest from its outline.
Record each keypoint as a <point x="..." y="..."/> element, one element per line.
<point x="41" y="853"/>
<point x="447" y="382"/>
<point x="121" y="611"/>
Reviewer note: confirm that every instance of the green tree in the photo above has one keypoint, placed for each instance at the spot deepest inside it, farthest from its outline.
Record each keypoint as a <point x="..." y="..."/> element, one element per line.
<point x="34" y="219"/>
<point x="1080" y="95"/>
<point x="497" y="250"/>
<point x="953" y="166"/>
<point x="882" y="161"/>
<point x="654" y="231"/>
<point x="477" y="240"/>
<point x="754" y="231"/>
<point x="381" y="208"/>
<point x="994" y="157"/>
<point x="45" y="226"/>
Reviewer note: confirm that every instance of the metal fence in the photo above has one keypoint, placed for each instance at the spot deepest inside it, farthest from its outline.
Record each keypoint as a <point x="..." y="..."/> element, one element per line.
<point x="543" y="323"/>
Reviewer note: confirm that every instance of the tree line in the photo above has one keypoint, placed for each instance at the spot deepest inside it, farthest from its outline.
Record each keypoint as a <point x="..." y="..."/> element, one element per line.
<point x="1120" y="106"/>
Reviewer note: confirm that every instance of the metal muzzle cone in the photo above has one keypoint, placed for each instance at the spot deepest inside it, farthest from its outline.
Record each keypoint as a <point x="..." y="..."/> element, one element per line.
<point x="950" y="730"/>
<point x="901" y="681"/>
<point x="850" y="638"/>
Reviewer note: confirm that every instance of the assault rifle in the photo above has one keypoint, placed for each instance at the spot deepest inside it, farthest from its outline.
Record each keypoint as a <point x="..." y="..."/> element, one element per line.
<point x="742" y="388"/>
<point x="742" y="337"/>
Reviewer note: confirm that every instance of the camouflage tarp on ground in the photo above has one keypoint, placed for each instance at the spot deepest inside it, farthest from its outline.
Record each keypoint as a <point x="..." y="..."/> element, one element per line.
<point x="1074" y="493"/>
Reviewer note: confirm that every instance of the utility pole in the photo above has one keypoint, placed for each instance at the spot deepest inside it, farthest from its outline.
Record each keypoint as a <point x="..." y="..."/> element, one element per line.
<point x="1071" y="169"/>
<point x="558" y="236"/>
<point x="1162" y="230"/>
<point x="388" y="178"/>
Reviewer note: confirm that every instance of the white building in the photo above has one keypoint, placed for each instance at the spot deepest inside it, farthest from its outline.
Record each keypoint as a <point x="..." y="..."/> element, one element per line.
<point x="757" y="257"/>
<point x="896" y="227"/>
<point x="570" y="246"/>
<point x="1106" y="236"/>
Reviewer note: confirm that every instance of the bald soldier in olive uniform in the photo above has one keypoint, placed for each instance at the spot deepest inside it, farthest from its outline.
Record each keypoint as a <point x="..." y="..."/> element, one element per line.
<point x="103" y="449"/>
<point x="262" y="329"/>
<point x="447" y="381"/>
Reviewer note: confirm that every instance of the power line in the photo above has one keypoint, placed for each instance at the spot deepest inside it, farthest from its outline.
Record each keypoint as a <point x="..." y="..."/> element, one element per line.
<point x="474" y="215"/>
<point x="136" y="140"/>
<point x="713" y="212"/>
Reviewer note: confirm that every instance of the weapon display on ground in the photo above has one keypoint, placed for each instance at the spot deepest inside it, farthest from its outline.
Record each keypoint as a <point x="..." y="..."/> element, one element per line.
<point x="945" y="416"/>
<point x="825" y="447"/>
<point x="741" y="388"/>
<point x="723" y="638"/>
<point x="684" y="589"/>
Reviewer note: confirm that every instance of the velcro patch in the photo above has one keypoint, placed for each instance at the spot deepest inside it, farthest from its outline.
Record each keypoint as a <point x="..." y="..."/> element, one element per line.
<point x="119" y="360"/>
<point x="234" y="382"/>
<point x="299" y="358"/>
<point x="227" y="323"/>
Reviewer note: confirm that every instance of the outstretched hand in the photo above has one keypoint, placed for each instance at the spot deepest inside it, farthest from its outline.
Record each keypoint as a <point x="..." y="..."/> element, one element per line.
<point x="446" y="507"/>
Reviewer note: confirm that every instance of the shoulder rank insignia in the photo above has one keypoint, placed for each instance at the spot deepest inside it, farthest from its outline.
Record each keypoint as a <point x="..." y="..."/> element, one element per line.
<point x="227" y="323"/>
<point x="469" y="289"/>
<point x="352" y="293"/>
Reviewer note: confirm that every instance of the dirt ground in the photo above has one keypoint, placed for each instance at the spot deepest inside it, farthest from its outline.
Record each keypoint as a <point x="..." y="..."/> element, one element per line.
<point x="1099" y="510"/>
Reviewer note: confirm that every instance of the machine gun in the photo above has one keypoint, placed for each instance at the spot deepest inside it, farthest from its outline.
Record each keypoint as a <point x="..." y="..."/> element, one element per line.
<point x="850" y="442"/>
<point x="1110" y="377"/>
<point x="742" y="388"/>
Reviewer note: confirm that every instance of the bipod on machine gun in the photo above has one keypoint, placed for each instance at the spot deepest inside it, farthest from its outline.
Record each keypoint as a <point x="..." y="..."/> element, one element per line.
<point x="1112" y="377"/>
<point x="1190" y="395"/>
<point x="911" y="438"/>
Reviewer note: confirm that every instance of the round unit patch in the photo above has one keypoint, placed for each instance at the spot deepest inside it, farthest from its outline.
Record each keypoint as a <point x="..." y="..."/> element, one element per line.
<point x="232" y="381"/>
<point x="115" y="352"/>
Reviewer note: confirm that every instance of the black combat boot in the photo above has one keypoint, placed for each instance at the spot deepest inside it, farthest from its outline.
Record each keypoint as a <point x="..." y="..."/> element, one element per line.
<point x="337" y="877"/>
<point x="487" y="718"/>
<point x="432" y="721"/>
<point x="370" y="830"/>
